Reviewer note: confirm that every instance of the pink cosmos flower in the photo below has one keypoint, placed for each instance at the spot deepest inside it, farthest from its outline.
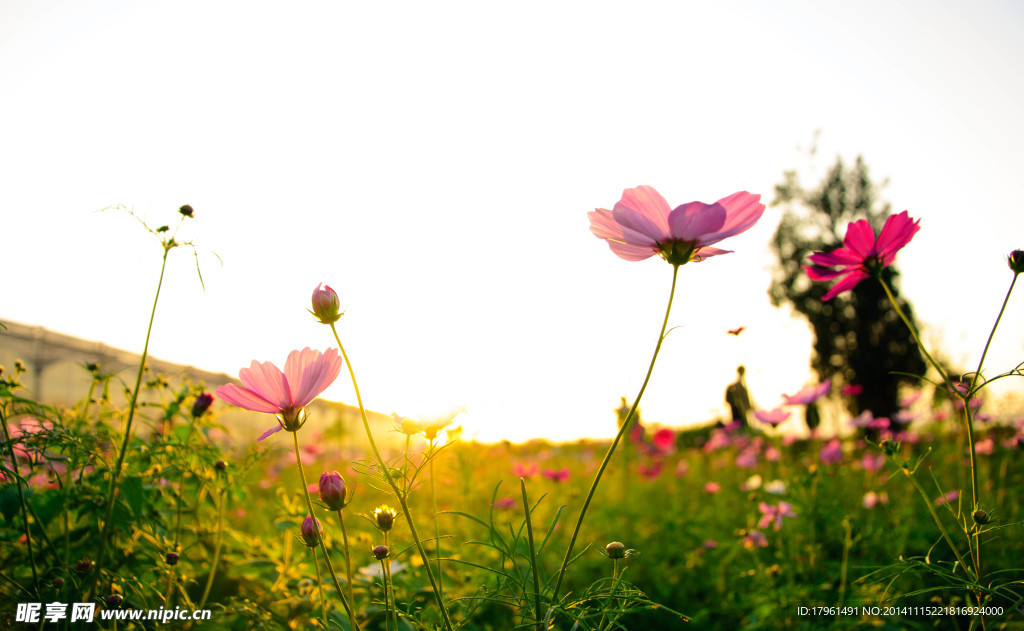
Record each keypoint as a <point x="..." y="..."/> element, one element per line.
<point x="265" y="388"/>
<point x="557" y="475"/>
<point x="650" y="470"/>
<point x="505" y="503"/>
<point x="772" y="417"/>
<point x="872" y="499"/>
<point x="948" y="498"/>
<point x="521" y="470"/>
<point x="642" y="224"/>
<point x="755" y="539"/>
<point x="831" y="452"/>
<point x="862" y="255"/>
<point x="712" y="487"/>
<point x="665" y="440"/>
<point x="775" y="514"/>
<point x="808" y="394"/>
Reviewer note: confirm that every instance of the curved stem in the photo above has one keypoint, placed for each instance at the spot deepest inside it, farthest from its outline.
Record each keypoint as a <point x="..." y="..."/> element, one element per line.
<point x="116" y="473"/>
<point x="981" y="362"/>
<point x="348" y="567"/>
<point x="216" y="550"/>
<point x="618" y="437"/>
<point x="309" y="504"/>
<point x="320" y="585"/>
<point x="394" y="487"/>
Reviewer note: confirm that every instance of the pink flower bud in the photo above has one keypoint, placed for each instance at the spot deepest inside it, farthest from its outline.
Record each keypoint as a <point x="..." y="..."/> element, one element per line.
<point x="1016" y="261"/>
<point x="325" y="304"/>
<point x="311" y="531"/>
<point x="332" y="490"/>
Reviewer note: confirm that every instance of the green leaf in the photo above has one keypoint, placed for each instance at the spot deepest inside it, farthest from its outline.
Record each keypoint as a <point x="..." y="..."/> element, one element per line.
<point x="10" y="504"/>
<point x="131" y="490"/>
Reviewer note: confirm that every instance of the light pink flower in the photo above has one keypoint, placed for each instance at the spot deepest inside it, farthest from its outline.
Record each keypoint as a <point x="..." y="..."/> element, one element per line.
<point x="983" y="447"/>
<point x="808" y="394"/>
<point x="682" y="468"/>
<point x="910" y="399"/>
<point x="712" y="487"/>
<point x="755" y="539"/>
<point x="522" y="470"/>
<point x="650" y="470"/>
<point x="265" y="388"/>
<point x="862" y="255"/>
<point x="948" y="498"/>
<point x="775" y="514"/>
<point x="772" y="417"/>
<point x="642" y="224"/>
<point x="831" y="452"/>
<point x="872" y="499"/>
<point x="505" y="503"/>
<point x="557" y="475"/>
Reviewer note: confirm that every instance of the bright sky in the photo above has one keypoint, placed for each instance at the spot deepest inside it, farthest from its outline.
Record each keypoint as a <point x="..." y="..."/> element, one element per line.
<point x="434" y="163"/>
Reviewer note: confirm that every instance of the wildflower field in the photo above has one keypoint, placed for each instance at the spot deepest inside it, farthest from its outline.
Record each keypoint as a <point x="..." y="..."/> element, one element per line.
<point x="138" y="499"/>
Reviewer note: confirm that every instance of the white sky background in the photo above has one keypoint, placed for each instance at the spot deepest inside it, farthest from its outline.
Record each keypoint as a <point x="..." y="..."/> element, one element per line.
<point x="434" y="163"/>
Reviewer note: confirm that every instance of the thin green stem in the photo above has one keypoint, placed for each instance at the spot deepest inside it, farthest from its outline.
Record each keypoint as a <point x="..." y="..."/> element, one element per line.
<point x="992" y="333"/>
<point x="348" y="568"/>
<point x="116" y="473"/>
<point x="935" y="516"/>
<point x="309" y="504"/>
<point x="21" y="500"/>
<point x="617" y="579"/>
<point x="172" y="577"/>
<point x="387" y="601"/>
<point x="618" y="437"/>
<point x="533" y="557"/>
<point x="216" y="550"/>
<point x="968" y="415"/>
<point x="437" y="527"/>
<point x="394" y="487"/>
<point x="320" y="585"/>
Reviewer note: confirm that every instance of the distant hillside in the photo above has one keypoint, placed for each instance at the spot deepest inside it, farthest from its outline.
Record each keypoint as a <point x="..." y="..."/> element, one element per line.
<point x="56" y="375"/>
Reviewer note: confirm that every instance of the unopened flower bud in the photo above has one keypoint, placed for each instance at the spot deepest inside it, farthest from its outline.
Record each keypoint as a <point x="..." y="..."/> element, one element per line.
<point x="615" y="550"/>
<point x="981" y="517"/>
<point x="163" y="228"/>
<point x="311" y="531"/>
<point x="186" y="210"/>
<point x="201" y="404"/>
<point x="220" y="465"/>
<point x="84" y="566"/>
<point x="57" y="583"/>
<point x="114" y="601"/>
<point x="385" y="517"/>
<point x="332" y="490"/>
<point x="326" y="305"/>
<point x="380" y="552"/>
<point x="172" y="558"/>
<point x="1016" y="261"/>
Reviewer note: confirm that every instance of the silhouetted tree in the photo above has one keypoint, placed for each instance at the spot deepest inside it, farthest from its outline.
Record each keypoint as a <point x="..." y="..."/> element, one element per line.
<point x="858" y="337"/>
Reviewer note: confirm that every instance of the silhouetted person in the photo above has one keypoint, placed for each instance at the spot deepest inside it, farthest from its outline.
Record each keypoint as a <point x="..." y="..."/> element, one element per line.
<point x="738" y="399"/>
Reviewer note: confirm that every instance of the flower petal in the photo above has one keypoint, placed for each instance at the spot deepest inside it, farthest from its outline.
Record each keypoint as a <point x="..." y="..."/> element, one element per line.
<point x="860" y="238"/>
<point x="267" y="381"/>
<point x="705" y="252"/>
<point x="742" y="210"/>
<point x="309" y="373"/>
<point x="691" y="222"/>
<point x="897" y="232"/>
<point x="632" y="252"/>
<point x="603" y="225"/>
<point x="817" y="273"/>
<point x="846" y="284"/>
<point x="270" y="432"/>
<point x="243" y="398"/>
<point x="649" y="204"/>
<point x="839" y="256"/>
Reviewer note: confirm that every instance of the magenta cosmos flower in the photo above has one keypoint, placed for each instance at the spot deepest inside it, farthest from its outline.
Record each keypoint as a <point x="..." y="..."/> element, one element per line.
<point x="861" y="255"/>
<point x="306" y="374"/>
<point x="642" y="224"/>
